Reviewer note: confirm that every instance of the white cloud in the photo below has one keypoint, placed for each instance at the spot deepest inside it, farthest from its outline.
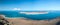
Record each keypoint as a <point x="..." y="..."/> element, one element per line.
<point x="16" y="9"/>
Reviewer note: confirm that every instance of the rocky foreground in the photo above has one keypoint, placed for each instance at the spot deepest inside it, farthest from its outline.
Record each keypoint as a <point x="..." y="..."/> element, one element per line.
<point x="21" y="21"/>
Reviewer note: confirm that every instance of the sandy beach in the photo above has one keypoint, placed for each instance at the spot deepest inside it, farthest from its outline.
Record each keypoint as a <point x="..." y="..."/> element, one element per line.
<point x="22" y="21"/>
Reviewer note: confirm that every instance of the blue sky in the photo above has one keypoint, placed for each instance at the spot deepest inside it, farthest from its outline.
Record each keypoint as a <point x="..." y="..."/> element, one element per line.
<point x="30" y="5"/>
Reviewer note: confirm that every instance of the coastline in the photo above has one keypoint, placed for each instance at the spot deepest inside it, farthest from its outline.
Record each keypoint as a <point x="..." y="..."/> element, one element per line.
<point x="23" y="21"/>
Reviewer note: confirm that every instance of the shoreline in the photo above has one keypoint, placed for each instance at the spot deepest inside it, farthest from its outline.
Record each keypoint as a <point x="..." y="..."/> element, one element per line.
<point x="27" y="18"/>
<point x="22" y="21"/>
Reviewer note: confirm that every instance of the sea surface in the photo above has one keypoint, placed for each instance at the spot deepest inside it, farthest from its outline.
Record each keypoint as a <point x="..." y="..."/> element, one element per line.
<point x="17" y="14"/>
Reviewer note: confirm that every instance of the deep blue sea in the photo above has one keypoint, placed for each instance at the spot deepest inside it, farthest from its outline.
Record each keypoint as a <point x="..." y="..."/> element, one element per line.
<point x="15" y="14"/>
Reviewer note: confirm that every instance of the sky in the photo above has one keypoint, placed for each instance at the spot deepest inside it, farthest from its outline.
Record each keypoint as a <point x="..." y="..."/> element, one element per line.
<point x="29" y="5"/>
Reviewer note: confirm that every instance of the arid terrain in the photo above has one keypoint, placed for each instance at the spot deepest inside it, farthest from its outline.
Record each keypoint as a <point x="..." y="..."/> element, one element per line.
<point x="22" y="21"/>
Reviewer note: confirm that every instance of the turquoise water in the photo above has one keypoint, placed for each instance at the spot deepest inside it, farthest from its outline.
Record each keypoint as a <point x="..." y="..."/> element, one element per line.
<point x="15" y="14"/>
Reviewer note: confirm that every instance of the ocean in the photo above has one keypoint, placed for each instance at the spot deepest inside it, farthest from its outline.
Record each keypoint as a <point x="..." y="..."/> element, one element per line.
<point x="16" y="14"/>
